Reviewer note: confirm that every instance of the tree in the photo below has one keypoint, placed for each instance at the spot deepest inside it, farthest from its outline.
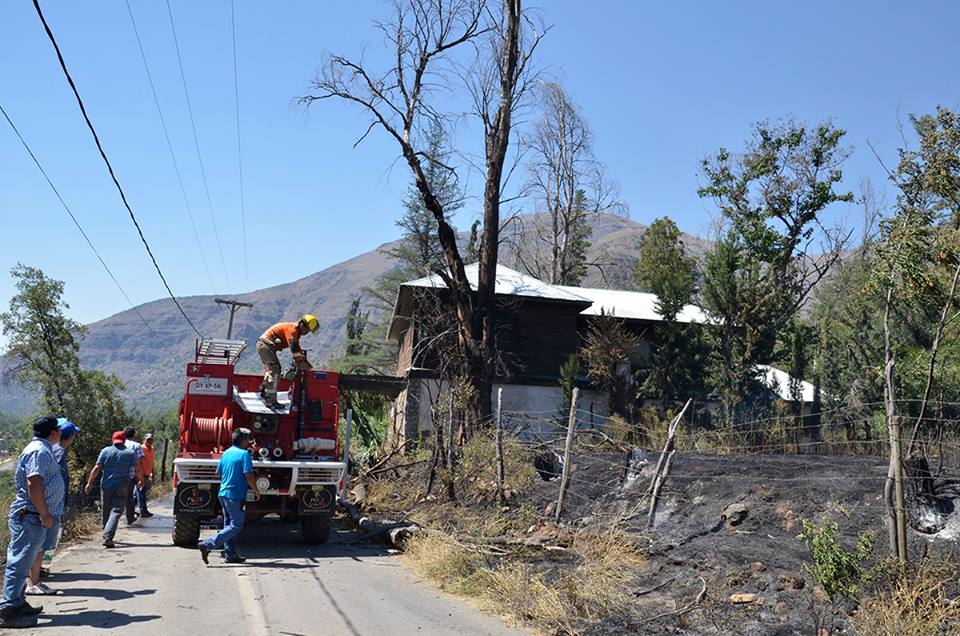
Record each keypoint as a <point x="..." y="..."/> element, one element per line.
<point x="43" y="341"/>
<point x="771" y="198"/>
<point x="570" y="184"/>
<point x="665" y="269"/>
<point x="917" y="244"/>
<point x="608" y="344"/>
<point x="426" y="38"/>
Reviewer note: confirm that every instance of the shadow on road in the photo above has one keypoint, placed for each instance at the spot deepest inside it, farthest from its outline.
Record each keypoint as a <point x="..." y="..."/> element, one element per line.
<point x="98" y="619"/>
<point x="106" y="593"/>
<point x="69" y="577"/>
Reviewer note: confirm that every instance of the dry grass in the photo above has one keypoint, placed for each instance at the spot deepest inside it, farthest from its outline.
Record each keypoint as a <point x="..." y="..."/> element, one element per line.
<point x="915" y="602"/>
<point x="559" y="596"/>
<point x="80" y="526"/>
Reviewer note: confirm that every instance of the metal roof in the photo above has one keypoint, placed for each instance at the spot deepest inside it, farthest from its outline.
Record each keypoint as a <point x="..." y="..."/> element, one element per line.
<point x="509" y="283"/>
<point x="778" y="381"/>
<point x="631" y="305"/>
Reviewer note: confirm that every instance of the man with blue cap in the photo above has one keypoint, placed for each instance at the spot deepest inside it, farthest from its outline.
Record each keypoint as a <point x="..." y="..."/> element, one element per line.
<point x="36" y="507"/>
<point x="68" y="433"/>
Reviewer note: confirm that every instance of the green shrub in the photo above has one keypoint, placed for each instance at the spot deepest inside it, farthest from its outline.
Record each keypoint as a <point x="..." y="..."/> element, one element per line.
<point x="840" y="572"/>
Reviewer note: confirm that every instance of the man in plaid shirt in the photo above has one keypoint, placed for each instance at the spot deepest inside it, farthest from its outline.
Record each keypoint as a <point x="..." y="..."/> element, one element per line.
<point x="38" y="504"/>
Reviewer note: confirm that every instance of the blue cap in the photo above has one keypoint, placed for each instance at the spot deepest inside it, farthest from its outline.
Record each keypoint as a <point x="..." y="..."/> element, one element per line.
<point x="67" y="428"/>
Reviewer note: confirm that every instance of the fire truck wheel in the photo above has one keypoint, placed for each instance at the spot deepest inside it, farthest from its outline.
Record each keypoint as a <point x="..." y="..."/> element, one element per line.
<point x="315" y="529"/>
<point x="186" y="531"/>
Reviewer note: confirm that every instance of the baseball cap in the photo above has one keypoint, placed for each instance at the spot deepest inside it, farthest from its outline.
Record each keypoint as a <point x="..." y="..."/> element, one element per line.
<point x="44" y="425"/>
<point x="119" y="437"/>
<point x="148" y="436"/>
<point x="67" y="428"/>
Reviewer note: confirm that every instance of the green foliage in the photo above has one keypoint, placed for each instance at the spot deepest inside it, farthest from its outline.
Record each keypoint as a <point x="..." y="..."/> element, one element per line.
<point x="840" y="572"/>
<point x="664" y="268"/>
<point x="676" y="349"/>
<point x="44" y="344"/>
<point x="42" y="340"/>
<point x="569" y="372"/>
<point x="771" y="198"/>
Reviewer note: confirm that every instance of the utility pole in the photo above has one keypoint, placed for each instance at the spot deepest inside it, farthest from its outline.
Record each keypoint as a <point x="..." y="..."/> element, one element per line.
<point x="234" y="305"/>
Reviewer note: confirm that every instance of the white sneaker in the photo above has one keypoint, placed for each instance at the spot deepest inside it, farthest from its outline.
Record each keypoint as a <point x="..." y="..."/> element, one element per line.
<point x="40" y="589"/>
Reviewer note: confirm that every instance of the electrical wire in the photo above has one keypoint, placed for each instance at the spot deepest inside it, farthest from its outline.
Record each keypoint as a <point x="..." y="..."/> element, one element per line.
<point x="236" y="99"/>
<point x="73" y="218"/>
<point x="196" y="142"/>
<point x="103" y="155"/>
<point x="173" y="158"/>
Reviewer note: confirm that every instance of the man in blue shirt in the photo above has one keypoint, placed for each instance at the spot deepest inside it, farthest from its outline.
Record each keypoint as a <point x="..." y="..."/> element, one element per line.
<point x="115" y="462"/>
<point x="236" y="475"/>
<point x="38" y="504"/>
<point x="68" y="434"/>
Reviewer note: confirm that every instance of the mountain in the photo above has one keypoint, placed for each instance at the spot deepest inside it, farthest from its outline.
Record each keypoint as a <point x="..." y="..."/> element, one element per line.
<point x="151" y="361"/>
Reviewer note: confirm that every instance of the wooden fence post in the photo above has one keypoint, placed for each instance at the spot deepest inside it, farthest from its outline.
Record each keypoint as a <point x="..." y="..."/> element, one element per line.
<point x="663" y="465"/>
<point x="565" y="478"/>
<point x="163" y="461"/>
<point x="898" y="499"/>
<point x="499" y="424"/>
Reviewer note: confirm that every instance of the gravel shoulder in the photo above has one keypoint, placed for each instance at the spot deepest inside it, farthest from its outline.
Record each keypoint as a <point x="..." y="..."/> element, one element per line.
<point x="148" y="586"/>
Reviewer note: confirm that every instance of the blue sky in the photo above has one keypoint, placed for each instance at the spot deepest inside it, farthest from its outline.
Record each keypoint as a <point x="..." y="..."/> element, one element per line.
<point x="662" y="85"/>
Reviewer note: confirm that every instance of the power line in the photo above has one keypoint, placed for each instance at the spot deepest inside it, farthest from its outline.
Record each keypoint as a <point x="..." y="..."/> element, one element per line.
<point x="173" y="158"/>
<point x="196" y="142"/>
<point x="236" y="98"/>
<point x="80" y="228"/>
<point x="103" y="155"/>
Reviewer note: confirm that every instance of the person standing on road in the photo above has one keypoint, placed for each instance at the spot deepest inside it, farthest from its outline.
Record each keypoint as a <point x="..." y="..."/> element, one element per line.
<point x="146" y="467"/>
<point x="36" y="507"/>
<point x="134" y="482"/>
<point x="115" y="462"/>
<point x="236" y="475"/>
<point x="68" y="433"/>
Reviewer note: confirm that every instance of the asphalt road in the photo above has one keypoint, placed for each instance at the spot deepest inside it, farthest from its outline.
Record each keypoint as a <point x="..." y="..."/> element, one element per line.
<point x="148" y="586"/>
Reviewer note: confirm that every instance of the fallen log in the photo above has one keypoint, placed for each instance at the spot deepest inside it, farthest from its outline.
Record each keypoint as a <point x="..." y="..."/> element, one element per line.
<point x="392" y="534"/>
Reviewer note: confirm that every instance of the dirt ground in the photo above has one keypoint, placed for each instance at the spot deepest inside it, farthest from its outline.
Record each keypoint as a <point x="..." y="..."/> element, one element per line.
<point x="726" y="524"/>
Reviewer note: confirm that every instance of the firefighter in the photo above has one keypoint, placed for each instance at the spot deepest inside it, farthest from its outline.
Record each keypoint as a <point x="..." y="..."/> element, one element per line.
<point x="277" y="338"/>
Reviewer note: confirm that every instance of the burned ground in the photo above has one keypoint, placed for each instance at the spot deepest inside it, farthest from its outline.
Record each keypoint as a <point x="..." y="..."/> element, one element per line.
<point x="726" y="523"/>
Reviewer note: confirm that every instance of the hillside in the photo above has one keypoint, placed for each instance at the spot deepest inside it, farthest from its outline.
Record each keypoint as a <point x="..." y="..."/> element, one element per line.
<point x="151" y="364"/>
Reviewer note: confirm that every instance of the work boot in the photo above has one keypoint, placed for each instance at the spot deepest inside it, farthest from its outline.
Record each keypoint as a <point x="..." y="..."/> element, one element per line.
<point x="108" y="543"/>
<point x="235" y="559"/>
<point x="29" y="610"/>
<point x="11" y="619"/>
<point x="204" y="552"/>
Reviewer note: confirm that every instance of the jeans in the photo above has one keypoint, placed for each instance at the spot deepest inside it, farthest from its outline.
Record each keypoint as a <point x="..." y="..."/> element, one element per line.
<point x="233" y="519"/>
<point x="26" y="540"/>
<point x="131" y="509"/>
<point x="140" y="495"/>
<point x="112" y="502"/>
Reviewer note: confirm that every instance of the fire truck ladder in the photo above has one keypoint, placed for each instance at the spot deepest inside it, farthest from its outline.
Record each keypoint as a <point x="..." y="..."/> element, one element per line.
<point x="219" y="350"/>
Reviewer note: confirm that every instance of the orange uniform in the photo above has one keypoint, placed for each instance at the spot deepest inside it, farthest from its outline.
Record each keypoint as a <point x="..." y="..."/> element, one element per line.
<point x="282" y="331"/>
<point x="146" y="462"/>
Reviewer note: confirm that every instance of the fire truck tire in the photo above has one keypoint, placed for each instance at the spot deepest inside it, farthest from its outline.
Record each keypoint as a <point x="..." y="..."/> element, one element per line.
<point x="315" y="529"/>
<point x="186" y="531"/>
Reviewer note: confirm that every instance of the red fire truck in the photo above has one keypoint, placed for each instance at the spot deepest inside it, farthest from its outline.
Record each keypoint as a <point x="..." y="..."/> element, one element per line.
<point x="296" y="453"/>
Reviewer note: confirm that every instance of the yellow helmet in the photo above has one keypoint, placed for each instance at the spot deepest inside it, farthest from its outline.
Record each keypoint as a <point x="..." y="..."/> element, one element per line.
<point x="311" y="321"/>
